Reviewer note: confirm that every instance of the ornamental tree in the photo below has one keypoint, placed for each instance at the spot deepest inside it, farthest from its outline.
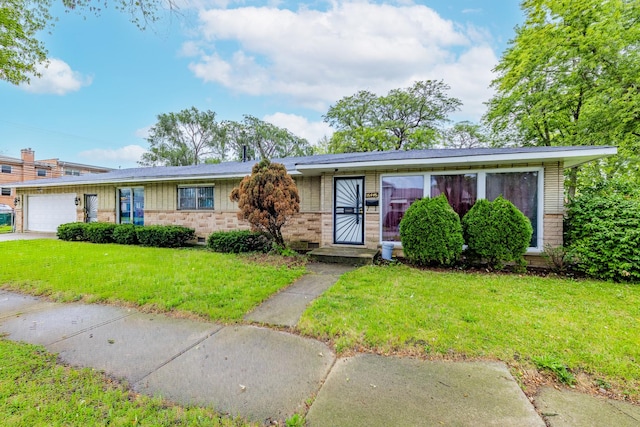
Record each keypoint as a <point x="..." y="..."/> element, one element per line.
<point x="267" y="198"/>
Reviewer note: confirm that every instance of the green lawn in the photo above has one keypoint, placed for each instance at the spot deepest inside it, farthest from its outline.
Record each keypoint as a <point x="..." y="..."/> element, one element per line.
<point x="586" y="325"/>
<point x="5" y="229"/>
<point x="216" y="286"/>
<point x="35" y="391"/>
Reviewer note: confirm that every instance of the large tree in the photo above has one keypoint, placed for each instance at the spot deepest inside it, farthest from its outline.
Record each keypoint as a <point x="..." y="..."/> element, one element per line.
<point x="262" y="140"/>
<point x="20" y="50"/>
<point x="570" y="77"/>
<point x="185" y="138"/>
<point x="192" y="136"/>
<point x="20" y="21"/>
<point x="464" y="135"/>
<point x="403" y="119"/>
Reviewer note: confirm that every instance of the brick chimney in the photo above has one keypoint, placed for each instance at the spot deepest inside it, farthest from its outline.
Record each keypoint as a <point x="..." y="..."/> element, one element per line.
<point x="28" y="167"/>
<point x="27" y="155"/>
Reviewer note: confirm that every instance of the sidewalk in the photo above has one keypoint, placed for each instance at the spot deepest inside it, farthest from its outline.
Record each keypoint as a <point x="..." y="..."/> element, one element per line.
<point x="268" y="375"/>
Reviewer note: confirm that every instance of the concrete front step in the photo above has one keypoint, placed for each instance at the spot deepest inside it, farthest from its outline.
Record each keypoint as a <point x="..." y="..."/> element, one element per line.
<point x="343" y="255"/>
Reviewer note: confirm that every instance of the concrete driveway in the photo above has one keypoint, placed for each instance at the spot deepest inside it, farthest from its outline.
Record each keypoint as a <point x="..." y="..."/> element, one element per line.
<point x="4" y="237"/>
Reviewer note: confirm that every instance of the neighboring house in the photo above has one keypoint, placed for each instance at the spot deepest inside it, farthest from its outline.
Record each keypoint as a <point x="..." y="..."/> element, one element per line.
<point x="26" y="168"/>
<point x="345" y="199"/>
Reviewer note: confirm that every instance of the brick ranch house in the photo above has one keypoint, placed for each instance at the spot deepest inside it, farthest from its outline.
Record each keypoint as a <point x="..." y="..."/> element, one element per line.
<point x="346" y="199"/>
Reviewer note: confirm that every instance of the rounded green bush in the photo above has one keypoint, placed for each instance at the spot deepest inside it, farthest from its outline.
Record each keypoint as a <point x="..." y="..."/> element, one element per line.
<point x="496" y="232"/>
<point x="238" y="241"/>
<point x="431" y="233"/>
<point x="72" y="231"/>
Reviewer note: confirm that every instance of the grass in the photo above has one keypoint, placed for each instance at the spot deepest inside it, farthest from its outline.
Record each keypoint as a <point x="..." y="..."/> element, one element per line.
<point x="5" y="229"/>
<point x="587" y="326"/>
<point x="35" y="391"/>
<point x="216" y="286"/>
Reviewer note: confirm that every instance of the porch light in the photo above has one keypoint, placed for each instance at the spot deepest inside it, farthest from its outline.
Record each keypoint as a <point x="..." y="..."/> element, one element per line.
<point x="16" y="201"/>
<point x="77" y="201"/>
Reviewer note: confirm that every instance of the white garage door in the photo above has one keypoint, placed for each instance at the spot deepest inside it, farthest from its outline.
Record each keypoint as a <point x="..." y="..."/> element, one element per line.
<point x="47" y="212"/>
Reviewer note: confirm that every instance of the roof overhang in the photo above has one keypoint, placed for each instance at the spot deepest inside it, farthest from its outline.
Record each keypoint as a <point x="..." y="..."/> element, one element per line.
<point x="128" y="180"/>
<point x="569" y="158"/>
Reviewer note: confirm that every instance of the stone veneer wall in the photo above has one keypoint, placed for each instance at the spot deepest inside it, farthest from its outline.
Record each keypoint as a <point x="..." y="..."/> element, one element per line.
<point x="303" y="226"/>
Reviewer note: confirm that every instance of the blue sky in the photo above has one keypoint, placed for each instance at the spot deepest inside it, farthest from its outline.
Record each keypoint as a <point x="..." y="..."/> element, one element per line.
<point x="283" y="62"/>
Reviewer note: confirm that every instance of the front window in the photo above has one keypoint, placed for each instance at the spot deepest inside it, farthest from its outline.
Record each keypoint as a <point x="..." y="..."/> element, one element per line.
<point x="72" y="172"/>
<point x="5" y="168"/>
<point x="521" y="189"/>
<point x="195" y="197"/>
<point x="461" y="190"/>
<point x="398" y="192"/>
<point x="41" y="172"/>
<point x="6" y="191"/>
<point x="131" y="206"/>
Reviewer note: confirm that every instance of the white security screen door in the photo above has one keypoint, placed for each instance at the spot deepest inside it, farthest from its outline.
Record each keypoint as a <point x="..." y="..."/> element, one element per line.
<point x="348" y="213"/>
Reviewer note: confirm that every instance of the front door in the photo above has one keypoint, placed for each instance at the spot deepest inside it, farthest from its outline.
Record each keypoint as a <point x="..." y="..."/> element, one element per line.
<point x="348" y="213"/>
<point x="90" y="208"/>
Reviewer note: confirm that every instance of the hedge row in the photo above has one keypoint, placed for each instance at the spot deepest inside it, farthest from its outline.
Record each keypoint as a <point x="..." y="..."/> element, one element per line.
<point x="495" y="232"/>
<point x="239" y="241"/>
<point x="164" y="236"/>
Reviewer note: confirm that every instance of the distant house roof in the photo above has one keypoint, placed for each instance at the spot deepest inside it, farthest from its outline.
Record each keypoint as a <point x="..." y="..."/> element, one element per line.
<point x="315" y="165"/>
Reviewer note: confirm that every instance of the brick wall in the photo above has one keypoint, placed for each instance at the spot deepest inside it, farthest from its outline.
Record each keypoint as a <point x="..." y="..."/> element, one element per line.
<point x="553" y="230"/>
<point x="304" y="226"/>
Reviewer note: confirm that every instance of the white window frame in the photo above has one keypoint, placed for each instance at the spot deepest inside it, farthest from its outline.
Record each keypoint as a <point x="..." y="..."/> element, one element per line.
<point x="4" y="190"/>
<point x="197" y="208"/>
<point x="6" y="169"/>
<point x="41" y="172"/>
<point x="481" y="193"/>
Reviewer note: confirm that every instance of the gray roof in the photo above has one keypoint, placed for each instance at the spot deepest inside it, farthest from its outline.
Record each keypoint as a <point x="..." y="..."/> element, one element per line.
<point x="310" y="165"/>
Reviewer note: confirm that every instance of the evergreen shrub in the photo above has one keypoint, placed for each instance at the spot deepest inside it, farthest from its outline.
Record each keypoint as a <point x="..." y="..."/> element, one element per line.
<point x="431" y="233"/>
<point x="239" y="241"/>
<point x="72" y="231"/>
<point x="164" y="236"/>
<point x="496" y="232"/>
<point x="99" y="232"/>
<point x="125" y="234"/>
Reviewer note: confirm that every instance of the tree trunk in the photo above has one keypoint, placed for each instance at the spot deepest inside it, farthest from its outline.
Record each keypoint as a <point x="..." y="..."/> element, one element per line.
<point x="573" y="182"/>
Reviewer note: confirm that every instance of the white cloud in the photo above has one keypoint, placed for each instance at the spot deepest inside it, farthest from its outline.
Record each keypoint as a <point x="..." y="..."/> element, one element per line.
<point x="143" y="132"/>
<point x="300" y="126"/>
<point x="123" y="156"/>
<point x="57" y="78"/>
<point x="318" y="56"/>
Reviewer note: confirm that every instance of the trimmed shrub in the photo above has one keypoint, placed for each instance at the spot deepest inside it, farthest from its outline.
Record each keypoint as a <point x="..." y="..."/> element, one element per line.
<point x="431" y="233"/>
<point x="497" y="232"/>
<point x="164" y="236"/>
<point x="239" y="241"/>
<point x="99" y="232"/>
<point x="603" y="232"/>
<point x="125" y="234"/>
<point x="72" y="231"/>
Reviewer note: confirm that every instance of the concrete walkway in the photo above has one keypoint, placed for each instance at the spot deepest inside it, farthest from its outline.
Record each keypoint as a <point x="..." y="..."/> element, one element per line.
<point x="268" y="375"/>
<point x="286" y="307"/>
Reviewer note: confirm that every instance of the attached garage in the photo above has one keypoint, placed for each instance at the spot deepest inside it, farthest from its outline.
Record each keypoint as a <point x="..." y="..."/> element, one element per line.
<point x="45" y="212"/>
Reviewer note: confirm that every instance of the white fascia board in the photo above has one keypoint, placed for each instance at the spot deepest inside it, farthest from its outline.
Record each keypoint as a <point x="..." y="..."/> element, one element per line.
<point x="127" y="180"/>
<point x="580" y="155"/>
